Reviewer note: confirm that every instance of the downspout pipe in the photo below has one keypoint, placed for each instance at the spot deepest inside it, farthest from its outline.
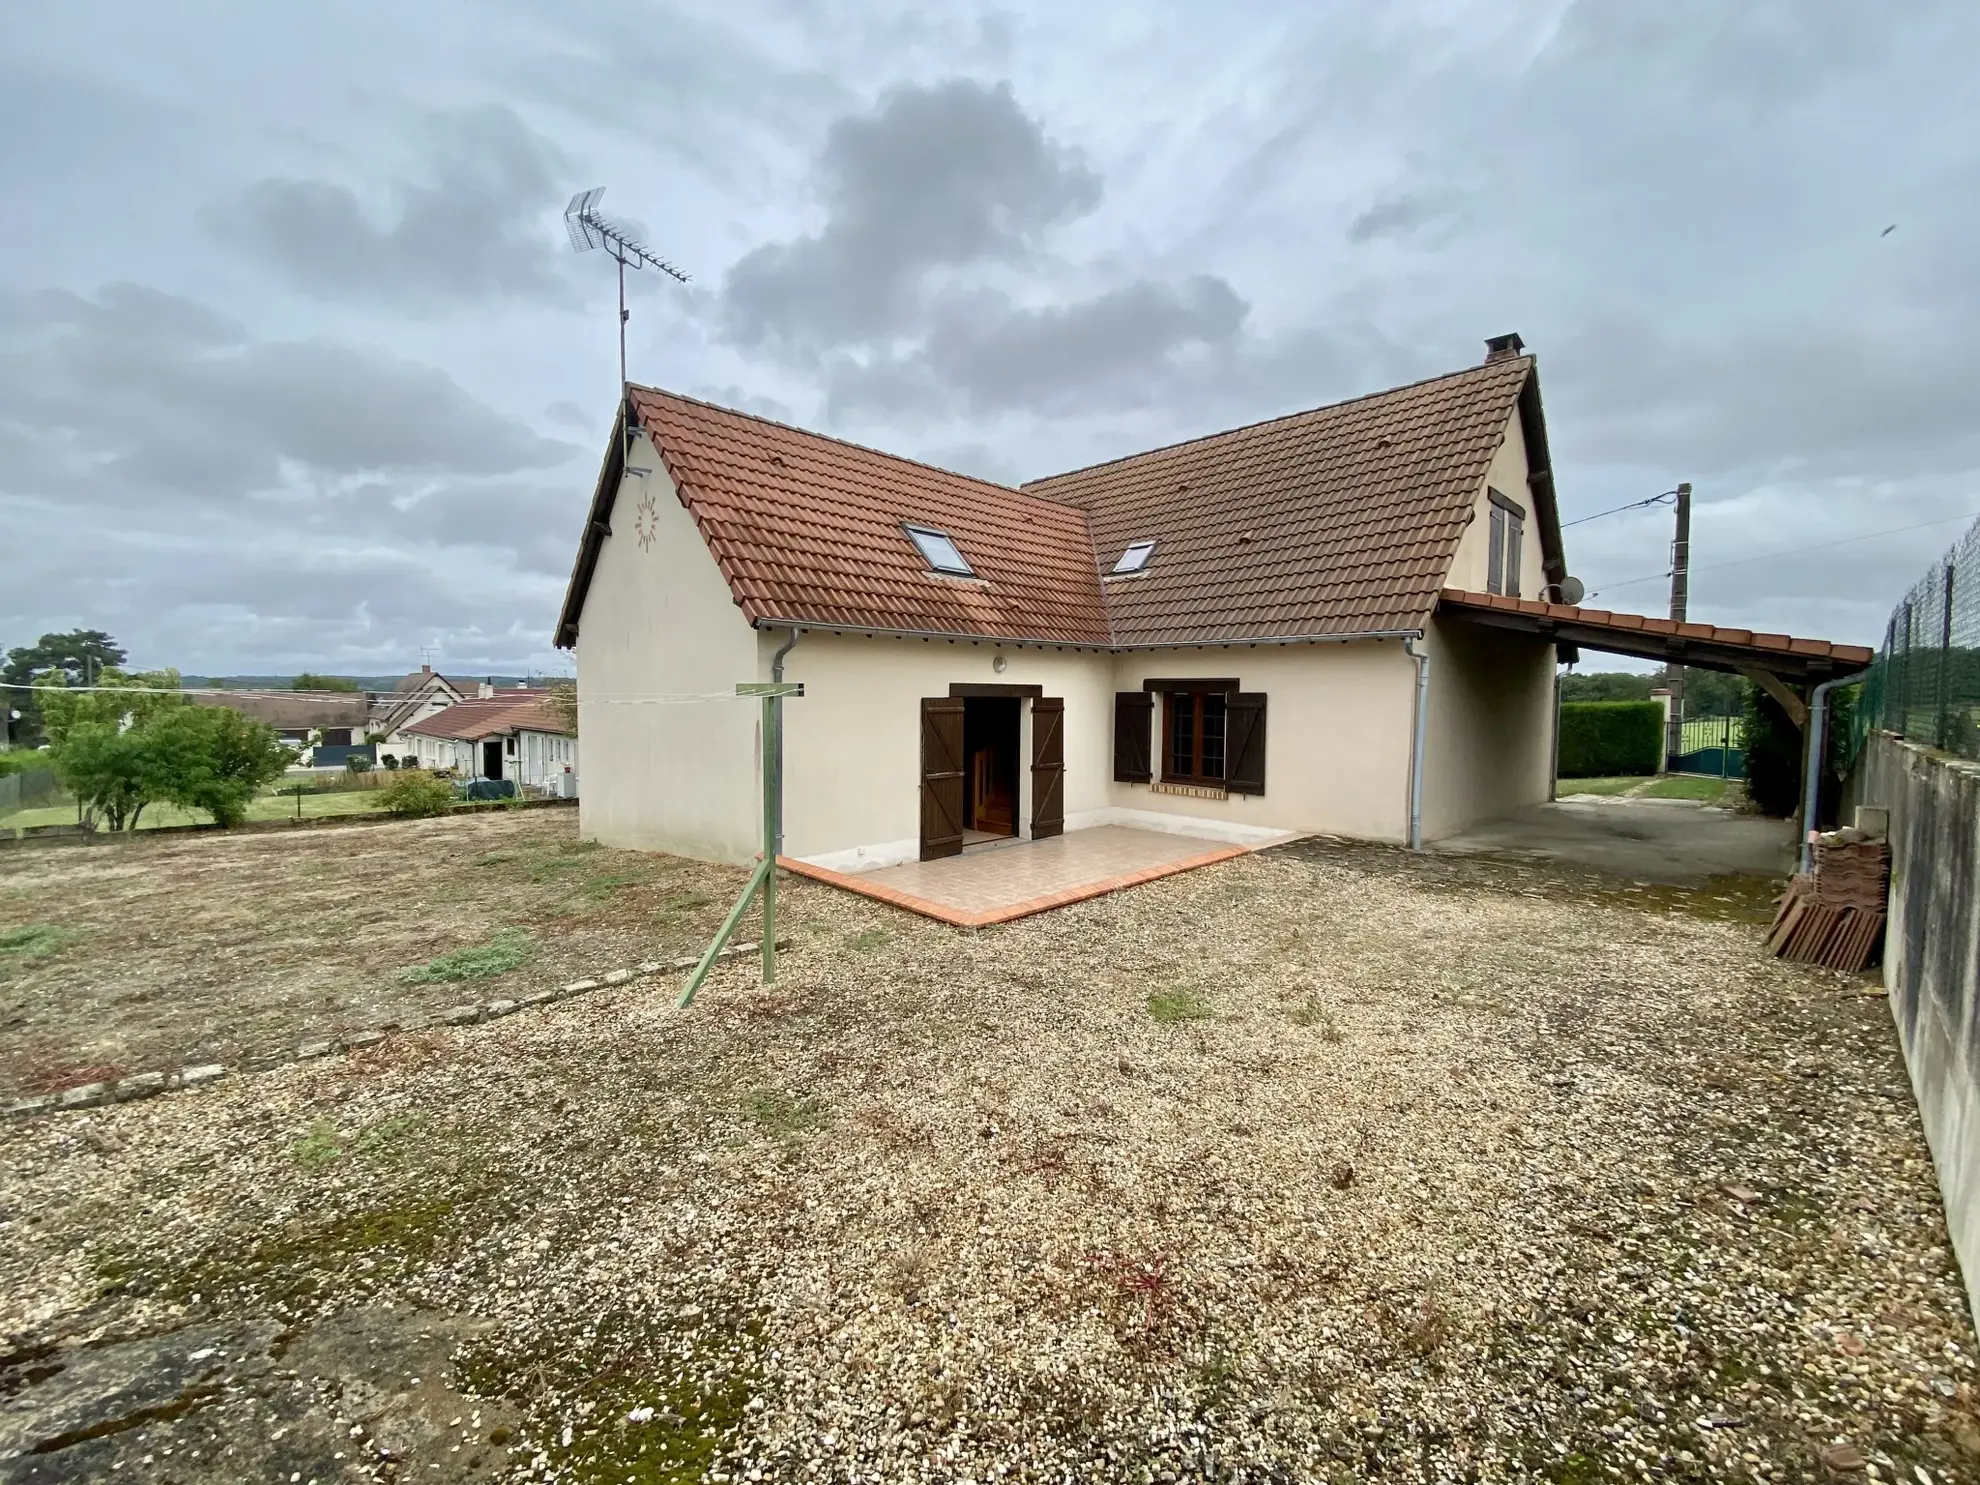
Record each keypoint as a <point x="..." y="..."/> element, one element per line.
<point x="1811" y="766"/>
<point x="777" y="742"/>
<point x="1422" y="659"/>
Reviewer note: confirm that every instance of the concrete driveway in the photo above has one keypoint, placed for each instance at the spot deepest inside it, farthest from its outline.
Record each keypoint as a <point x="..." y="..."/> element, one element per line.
<point x="1650" y="840"/>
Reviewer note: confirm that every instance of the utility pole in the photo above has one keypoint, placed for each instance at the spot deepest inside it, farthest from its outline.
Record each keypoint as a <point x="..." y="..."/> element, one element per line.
<point x="1680" y="598"/>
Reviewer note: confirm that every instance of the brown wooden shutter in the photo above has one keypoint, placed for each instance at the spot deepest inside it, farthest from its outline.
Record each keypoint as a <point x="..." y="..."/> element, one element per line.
<point x="1134" y="721"/>
<point x="941" y="777"/>
<point x="1048" y="767"/>
<point x="1244" y="746"/>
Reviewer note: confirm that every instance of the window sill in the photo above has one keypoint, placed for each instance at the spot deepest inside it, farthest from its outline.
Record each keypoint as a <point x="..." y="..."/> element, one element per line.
<point x="1189" y="791"/>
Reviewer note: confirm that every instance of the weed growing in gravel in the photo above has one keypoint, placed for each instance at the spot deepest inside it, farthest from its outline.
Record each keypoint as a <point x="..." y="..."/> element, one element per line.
<point x="510" y="949"/>
<point x="872" y="938"/>
<point x="1314" y="1014"/>
<point x="322" y="1144"/>
<point x="603" y="885"/>
<point x="34" y="941"/>
<point x="780" y="1113"/>
<point x="1170" y="1006"/>
<point x="683" y="902"/>
<point x="318" y="1147"/>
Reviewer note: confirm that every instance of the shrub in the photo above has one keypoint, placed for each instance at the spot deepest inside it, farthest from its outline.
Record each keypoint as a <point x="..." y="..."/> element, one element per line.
<point x="415" y="794"/>
<point x="391" y="761"/>
<point x="357" y="763"/>
<point x="1604" y="739"/>
<point x="1773" y="756"/>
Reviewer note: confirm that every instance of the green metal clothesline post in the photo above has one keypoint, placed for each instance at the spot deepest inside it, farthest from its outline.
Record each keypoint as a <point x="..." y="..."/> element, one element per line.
<point x="764" y="878"/>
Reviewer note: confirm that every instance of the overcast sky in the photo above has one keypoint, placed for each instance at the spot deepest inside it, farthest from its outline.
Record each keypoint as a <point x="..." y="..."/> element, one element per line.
<point x="297" y="367"/>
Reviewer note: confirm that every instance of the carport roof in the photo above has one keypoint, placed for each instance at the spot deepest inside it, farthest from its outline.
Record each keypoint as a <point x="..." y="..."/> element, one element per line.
<point x="1706" y="645"/>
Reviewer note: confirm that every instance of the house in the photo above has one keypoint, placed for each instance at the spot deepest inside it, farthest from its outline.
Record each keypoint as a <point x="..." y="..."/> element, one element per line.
<point x="416" y="696"/>
<point x="1289" y="626"/>
<point x="506" y="735"/>
<point x="326" y="726"/>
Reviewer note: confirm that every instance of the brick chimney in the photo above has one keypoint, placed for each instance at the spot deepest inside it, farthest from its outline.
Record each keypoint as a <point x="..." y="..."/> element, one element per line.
<point x="1503" y="348"/>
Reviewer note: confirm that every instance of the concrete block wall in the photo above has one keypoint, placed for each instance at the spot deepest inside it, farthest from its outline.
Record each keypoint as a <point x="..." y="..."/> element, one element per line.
<point x="1932" y="958"/>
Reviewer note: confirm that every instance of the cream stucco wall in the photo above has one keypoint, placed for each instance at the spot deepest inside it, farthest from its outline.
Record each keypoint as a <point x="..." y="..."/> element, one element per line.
<point x="852" y="743"/>
<point x="1507" y="475"/>
<point x="659" y="620"/>
<point x="1488" y="745"/>
<point x="1337" y="736"/>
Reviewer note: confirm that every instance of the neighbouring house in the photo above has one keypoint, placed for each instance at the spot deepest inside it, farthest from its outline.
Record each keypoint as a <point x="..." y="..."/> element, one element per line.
<point x="416" y="696"/>
<point x="326" y="727"/>
<point x="1306" y="624"/>
<point x="506" y="735"/>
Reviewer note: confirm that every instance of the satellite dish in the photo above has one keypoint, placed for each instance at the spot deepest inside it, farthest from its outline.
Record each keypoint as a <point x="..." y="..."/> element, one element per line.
<point x="1568" y="590"/>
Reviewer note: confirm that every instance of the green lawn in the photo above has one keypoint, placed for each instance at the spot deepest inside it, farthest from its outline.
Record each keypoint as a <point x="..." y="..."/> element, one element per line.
<point x="1670" y="786"/>
<point x="1687" y="786"/>
<point x="268" y="807"/>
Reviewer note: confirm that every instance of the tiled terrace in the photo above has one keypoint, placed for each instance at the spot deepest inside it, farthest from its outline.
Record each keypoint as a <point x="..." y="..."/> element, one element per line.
<point x="994" y="884"/>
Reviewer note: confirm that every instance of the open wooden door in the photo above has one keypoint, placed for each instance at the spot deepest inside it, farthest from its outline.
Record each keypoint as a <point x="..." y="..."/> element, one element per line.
<point x="1048" y="766"/>
<point x="941" y="777"/>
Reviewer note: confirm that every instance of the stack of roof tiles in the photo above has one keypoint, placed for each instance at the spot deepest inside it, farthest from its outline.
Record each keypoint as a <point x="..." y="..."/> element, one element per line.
<point x="1834" y="914"/>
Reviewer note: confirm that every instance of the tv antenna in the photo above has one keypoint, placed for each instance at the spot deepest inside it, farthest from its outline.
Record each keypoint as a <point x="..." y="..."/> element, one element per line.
<point x="589" y="230"/>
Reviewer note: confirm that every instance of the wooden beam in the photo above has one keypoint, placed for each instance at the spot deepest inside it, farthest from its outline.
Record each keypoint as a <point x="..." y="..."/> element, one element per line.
<point x="1772" y="684"/>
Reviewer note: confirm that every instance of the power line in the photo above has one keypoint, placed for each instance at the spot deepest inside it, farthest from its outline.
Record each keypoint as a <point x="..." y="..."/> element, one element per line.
<point x="1633" y="505"/>
<point x="1789" y="552"/>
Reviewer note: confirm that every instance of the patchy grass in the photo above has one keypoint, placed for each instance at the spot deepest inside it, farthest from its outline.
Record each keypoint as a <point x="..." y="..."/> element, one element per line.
<point x="779" y="1113"/>
<point x="31" y="941"/>
<point x="1170" y="1006"/>
<point x="1312" y="1013"/>
<point x="1688" y="786"/>
<point x="506" y="951"/>
<point x="1596" y="786"/>
<point x="868" y="939"/>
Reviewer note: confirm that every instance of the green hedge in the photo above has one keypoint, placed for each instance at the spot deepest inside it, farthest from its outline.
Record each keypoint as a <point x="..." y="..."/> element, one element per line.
<point x="1603" y="739"/>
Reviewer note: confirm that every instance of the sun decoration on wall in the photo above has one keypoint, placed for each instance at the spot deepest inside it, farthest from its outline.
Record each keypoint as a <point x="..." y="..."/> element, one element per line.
<point x="646" y="524"/>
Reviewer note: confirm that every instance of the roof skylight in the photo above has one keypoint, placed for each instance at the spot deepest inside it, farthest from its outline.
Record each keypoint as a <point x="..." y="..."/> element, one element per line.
<point x="940" y="551"/>
<point x="1134" y="558"/>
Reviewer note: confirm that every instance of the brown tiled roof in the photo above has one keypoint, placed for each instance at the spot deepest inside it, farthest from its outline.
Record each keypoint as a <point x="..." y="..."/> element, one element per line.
<point x="1342" y="520"/>
<point x="291" y="711"/>
<point x="1653" y="638"/>
<point x="491" y="716"/>
<point x="809" y="529"/>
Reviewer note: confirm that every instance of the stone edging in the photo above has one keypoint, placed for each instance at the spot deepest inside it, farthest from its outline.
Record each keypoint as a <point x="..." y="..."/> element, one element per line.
<point x="150" y="1084"/>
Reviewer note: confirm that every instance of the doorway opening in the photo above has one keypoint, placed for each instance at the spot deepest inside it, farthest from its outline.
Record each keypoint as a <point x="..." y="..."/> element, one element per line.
<point x="991" y="733"/>
<point x="491" y="758"/>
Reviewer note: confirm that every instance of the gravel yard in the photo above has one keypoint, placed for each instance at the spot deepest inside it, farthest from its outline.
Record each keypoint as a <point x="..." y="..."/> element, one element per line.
<point x="1326" y="1163"/>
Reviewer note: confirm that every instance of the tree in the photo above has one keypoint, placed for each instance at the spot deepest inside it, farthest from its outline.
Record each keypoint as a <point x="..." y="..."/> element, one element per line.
<point x="562" y="703"/>
<point x="95" y="739"/>
<point x="212" y="758"/>
<point x="80" y="657"/>
<point x="138" y="741"/>
<point x="309" y="680"/>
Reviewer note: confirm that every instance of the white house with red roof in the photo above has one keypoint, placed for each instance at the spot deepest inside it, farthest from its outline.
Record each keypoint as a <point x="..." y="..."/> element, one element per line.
<point x="511" y="735"/>
<point x="1343" y="621"/>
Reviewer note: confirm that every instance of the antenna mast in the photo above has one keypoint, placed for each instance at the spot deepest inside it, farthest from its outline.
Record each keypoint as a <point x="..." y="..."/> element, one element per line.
<point x="590" y="230"/>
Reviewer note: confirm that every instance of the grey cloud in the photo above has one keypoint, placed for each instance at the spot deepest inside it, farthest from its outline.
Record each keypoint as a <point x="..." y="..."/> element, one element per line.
<point x="935" y="177"/>
<point x="1403" y="216"/>
<point x="478" y="229"/>
<point x="569" y="414"/>
<point x="1115" y="349"/>
<point x="136" y="390"/>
